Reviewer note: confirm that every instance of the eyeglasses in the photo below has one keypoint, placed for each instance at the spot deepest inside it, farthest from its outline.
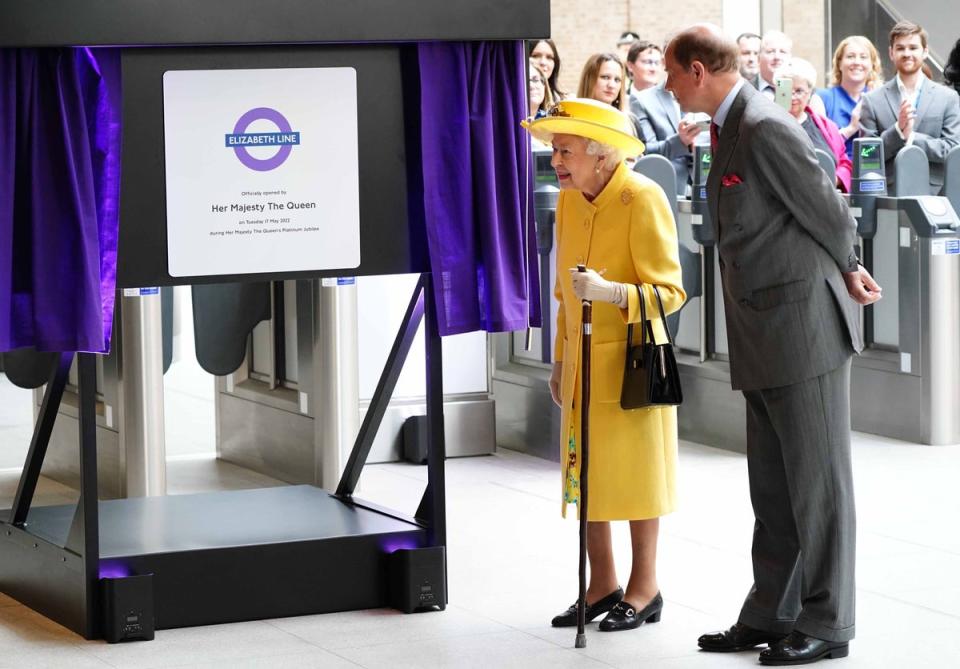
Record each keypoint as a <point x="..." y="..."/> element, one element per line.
<point x="799" y="92"/>
<point x="651" y="62"/>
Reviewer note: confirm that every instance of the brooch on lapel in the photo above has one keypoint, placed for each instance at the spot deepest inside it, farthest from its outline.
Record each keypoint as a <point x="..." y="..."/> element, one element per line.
<point x="626" y="196"/>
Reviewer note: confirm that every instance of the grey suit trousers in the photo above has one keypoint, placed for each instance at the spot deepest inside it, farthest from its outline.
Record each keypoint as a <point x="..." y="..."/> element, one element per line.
<point x="801" y="487"/>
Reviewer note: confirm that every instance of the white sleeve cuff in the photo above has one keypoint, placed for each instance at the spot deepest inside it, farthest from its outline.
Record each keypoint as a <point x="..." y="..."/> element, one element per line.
<point x="908" y="140"/>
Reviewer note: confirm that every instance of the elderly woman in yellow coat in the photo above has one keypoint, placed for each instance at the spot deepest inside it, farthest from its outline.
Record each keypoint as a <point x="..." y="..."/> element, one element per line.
<point x="620" y="225"/>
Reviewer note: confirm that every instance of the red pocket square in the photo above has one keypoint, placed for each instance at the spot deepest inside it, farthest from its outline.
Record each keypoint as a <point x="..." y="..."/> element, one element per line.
<point x="730" y="180"/>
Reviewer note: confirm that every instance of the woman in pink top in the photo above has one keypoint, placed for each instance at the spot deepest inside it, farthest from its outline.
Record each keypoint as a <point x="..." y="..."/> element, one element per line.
<point x="823" y="132"/>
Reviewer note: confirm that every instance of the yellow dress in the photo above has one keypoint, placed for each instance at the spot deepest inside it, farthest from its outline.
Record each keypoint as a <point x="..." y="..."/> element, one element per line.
<point x="629" y="231"/>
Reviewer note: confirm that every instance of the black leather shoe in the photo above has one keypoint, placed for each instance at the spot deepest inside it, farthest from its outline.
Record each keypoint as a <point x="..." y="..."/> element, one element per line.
<point x="569" y="617"/>
<point x="798" y="648"/>
<point x="624" y="616"/>
<point x="737" y="638"/>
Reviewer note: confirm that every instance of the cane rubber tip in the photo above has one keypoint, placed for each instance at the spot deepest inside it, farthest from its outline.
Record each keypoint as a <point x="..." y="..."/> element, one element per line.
<point x="581" y="641"/>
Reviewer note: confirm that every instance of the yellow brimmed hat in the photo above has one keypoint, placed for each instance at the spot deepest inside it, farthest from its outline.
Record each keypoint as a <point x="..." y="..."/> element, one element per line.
<point x="587" y="118"/>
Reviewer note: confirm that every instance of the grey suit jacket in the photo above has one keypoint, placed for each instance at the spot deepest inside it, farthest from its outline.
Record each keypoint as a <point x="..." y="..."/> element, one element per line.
<point x="936" y="129"/>
<point x="657" y="116"/>
<point x="785" y="235"/>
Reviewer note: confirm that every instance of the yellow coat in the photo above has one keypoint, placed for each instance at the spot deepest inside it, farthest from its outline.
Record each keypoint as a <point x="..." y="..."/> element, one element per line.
<point x="628" y="230"/>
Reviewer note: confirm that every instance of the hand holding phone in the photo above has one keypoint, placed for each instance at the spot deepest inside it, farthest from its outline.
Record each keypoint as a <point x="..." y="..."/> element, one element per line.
<point x="784" y="93"/>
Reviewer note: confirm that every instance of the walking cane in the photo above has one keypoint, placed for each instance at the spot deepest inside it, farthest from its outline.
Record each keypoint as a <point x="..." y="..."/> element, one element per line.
<point x="586" y="330"/>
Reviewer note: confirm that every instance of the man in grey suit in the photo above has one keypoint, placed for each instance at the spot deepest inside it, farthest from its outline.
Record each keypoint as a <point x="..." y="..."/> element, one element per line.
<point x="663" y="131"/>
<point x="749" y="45"/>
<point x="911" y="109"/>
<point x="775" y="51"/>
<point x="789" y="271"/>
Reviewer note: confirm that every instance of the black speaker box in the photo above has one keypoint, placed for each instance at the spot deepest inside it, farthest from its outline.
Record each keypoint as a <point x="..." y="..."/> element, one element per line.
<point x="127" y="608"/>
<point x="417" y="579"/>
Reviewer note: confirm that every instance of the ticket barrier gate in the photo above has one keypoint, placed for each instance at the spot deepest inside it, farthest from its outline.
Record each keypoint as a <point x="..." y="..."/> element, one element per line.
<point x="289" y="400"/>
<point x="129" y="407"/>
<point x="906" y="384"/>
<point x="712" y="412"/>
<point x="951" y="177"/>
<point x="260" y="341"/>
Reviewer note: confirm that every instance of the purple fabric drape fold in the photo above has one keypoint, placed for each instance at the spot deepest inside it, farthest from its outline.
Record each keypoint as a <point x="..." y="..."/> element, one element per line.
<point x="59" y="195"/>
<point x="477" y="175"/>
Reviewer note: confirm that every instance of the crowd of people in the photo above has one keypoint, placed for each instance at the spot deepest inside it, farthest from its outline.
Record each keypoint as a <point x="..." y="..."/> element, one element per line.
<point x="909" y="109"/>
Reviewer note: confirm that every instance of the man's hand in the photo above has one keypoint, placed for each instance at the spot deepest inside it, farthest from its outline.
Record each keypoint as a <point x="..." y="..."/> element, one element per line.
<point x="861" y="286"/>
<point x="906" y="118"/>
<point x="555" y="382"/>
<point x="591" y="286"/>
<point x="688" y="131"/>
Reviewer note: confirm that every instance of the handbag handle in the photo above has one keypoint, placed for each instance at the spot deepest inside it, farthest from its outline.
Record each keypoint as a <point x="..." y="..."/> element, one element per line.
<point x="647" y="326"/>
<point x="663" y="316"/>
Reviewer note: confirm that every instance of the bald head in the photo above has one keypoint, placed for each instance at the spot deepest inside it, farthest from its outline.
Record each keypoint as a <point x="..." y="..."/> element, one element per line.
<point x="702" y="66"/>
<point x="775" y="37"/>
<point x="705" y="43"/>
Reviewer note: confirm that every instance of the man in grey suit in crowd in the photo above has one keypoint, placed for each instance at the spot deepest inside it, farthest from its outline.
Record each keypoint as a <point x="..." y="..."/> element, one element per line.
<point x="749" y="45"/>
<point x="789" y="271"/>
<point x="911" y="109"/>
<point x="775" y="51"/>
<point x="663" y="131"/>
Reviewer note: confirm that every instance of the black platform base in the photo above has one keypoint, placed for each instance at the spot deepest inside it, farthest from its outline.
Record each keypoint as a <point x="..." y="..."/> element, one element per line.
<point x="225" y="556"/>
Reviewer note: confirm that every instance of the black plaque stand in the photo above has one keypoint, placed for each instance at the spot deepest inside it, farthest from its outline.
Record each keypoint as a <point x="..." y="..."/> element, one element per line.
<point x="242" y="555"/>
<point x="225" y="556"/>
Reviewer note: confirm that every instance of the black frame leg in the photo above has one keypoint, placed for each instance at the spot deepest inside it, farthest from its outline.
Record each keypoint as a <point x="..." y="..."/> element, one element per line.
<point x="88" y="508"/>
<point x="385" y="387"/>
<point x="41" y="439"/>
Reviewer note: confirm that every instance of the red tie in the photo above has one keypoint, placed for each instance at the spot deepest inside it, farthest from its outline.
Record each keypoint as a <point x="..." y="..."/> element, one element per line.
<point x="714" y="137"/>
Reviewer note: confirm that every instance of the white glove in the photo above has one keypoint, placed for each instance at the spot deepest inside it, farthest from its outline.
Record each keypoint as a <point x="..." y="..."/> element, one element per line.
<point x="591" y="286"/>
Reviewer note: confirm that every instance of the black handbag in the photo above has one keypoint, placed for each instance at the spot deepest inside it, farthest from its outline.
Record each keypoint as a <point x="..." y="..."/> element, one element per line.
<point x="650" y="374"/>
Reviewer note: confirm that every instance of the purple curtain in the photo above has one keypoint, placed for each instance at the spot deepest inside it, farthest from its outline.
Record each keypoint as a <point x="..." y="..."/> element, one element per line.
<point x="477" y="176"/>
<point x="59" y="193"/>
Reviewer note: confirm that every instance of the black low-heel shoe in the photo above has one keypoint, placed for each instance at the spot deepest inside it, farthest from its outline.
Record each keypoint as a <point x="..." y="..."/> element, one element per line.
<point x="624" y="616"/>
<point x="738" y="638"/>
<point x="569" y="617"/>
<point x="799" y="648"/>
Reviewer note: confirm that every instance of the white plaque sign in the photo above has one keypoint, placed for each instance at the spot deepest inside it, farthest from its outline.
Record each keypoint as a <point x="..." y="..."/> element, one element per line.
<point x="262" y="170"/>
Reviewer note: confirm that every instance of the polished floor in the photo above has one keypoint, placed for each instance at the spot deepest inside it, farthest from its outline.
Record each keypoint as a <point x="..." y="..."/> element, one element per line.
<point x="512" y="565"/>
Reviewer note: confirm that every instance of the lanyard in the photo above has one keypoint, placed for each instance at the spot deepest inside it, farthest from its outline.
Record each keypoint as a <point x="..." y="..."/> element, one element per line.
<point x="916" y="100"/>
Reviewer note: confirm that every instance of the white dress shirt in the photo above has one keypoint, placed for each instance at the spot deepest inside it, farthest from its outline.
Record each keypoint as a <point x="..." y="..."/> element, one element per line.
<point x="914" y="99"/>
<point x="767" y="88"/>
<point x="721" y="114"/>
